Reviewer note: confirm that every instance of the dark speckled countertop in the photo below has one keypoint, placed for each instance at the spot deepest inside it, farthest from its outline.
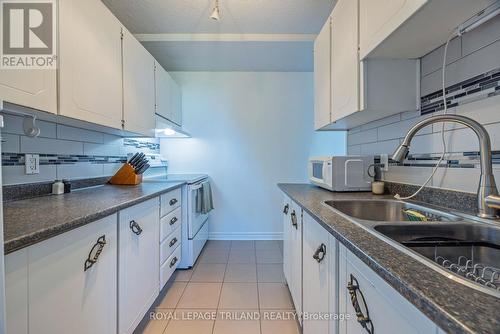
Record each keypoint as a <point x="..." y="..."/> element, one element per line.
<point x="454" y="307"/>
<point x="29" y="221"/>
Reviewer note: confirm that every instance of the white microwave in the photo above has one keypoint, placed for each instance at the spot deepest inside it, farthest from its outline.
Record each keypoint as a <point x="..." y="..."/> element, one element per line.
<point x="341" y="173"/>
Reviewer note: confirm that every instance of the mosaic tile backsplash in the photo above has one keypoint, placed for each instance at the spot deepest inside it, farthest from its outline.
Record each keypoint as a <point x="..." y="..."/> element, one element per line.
<point x="65" y="152"/>
<point x="477" y="88"/>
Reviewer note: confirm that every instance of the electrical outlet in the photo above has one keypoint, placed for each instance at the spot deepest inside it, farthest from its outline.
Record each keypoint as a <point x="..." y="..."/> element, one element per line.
<point x="384" y="160"/>
<point x="32" y="163"/>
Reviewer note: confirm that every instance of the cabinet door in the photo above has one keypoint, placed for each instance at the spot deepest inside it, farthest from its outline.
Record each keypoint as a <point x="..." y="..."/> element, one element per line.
<point x="333" y="282"/>
<point x="345" y="59"/>
<point x="16" y="292"/>
<point x="90" y="73"/>
<point x="381" y="301"/>
<point x="287" y="241"/>
<point x="316" y="253"/>
<point x="65" y="298"/>
<point x="30" y="88"/>
<point x="138" y="87"/>
<point x="296" y="256"/>
<point x="138" y="262"/>
<point x="378" y="21"/>
<point x="162" y="87"/>
<point x="176" y="103"/>
<point x="322" y="77"/>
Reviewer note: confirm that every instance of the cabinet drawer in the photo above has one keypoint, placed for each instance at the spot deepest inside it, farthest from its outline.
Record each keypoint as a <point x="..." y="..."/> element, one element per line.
<point x="170" y="244"/>
<point x="169" y="223"/>
<point x="170" y="201"/>
<point x="168" y="268"/>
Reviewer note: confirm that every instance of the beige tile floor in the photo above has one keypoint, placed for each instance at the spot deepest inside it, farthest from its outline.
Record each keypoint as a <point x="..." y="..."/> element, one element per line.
<point x="234" y="287"/>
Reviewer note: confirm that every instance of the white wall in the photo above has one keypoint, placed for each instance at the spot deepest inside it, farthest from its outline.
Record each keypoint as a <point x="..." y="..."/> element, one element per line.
<point x="251" y="130"/>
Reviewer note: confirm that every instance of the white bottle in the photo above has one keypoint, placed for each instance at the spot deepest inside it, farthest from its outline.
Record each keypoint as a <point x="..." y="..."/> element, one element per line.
<point x="57" y="187"/>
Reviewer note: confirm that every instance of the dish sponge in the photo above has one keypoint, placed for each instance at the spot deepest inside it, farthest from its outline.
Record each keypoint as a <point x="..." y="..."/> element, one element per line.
<point x="415" y="216"/>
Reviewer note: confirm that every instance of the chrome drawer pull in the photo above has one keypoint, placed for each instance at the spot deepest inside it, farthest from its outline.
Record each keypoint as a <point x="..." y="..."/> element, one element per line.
<point x="172" y="242"/>
<point x="94" y="253"/>
<point x="285" y="209"/>
<point x="173" y="262"/>
<point x="365" y="321"/>
<point x="173" y="201"/>
<point x="320" y="253"/>
<point x="135" y="227"/>
<point x="293" y="217"/>
<point x="173" y="221"/>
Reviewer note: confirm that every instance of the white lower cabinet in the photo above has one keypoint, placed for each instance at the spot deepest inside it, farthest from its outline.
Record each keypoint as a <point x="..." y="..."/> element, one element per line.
<point x="296" y="256"/>
<point x="16" y="292"/>
<point x="66" y="284"/>
<point x="138" y="259"/>
<point x="383" y="310"/>
<point x="316" y="274"/>
<point x="325" y="281"/>
<point x="287" y="239"/>
<point x="292" y="251"/>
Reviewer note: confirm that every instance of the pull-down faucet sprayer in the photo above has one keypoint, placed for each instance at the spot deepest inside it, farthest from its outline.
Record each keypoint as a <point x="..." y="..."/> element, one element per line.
<point x="488" y="200"/>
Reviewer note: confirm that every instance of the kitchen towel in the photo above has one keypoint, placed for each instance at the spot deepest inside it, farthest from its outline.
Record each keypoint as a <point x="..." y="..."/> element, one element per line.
<point x="204" y="201"/>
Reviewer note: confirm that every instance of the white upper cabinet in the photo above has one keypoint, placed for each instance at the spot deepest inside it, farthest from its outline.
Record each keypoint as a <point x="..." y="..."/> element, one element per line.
<point x="138" y="87"/>
<point x="176" y="103"/>
<point x="345" y="83"/>
<point x="378" y="19"/>
<point x="411" y="28"/>
<point x="30" y="88"/>
<point x="63" y="297"/>
<point x="168" y="96"/>
<point x="322" y="77"/>
<point x="90" y="60"/>
<point x="357" y="92"/>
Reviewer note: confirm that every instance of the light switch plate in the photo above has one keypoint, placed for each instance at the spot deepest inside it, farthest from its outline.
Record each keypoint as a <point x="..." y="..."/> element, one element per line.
<point x="384" y="160"/>
<point x="32" y="163"/>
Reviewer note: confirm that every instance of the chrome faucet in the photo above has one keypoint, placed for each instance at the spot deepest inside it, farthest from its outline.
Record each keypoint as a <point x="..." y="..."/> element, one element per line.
<point x="488" y="200"/>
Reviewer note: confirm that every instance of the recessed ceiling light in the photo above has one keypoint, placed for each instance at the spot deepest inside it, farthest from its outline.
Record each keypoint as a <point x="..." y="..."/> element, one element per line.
<point x="216" y="12"/>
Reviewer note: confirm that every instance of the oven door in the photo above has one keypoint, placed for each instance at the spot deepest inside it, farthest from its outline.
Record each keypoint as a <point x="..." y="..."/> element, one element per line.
<point x="195" y="219"/>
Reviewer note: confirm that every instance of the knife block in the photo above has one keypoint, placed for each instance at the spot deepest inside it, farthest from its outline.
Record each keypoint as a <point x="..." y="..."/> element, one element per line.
<point x="126" y="176"/>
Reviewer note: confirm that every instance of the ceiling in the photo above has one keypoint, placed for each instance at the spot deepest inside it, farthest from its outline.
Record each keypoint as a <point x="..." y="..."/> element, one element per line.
<point x="284" y="20"/>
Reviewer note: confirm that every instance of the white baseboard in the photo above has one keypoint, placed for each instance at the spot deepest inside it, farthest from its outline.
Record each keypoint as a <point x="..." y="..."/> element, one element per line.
<point x="245" y="236"/>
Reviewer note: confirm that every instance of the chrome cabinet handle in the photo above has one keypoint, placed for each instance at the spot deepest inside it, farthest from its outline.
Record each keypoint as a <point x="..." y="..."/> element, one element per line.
<point x="173" y="201"/>
<point x="320" y="253"/>
<point x="135" y="227"/>
<point x="94" y="253"/>
<point x="293" y="218"/>
<point x="285" y="209"/>
<point x="173" y="262"/>
<point x="365" y="321"/>
<point x="173" y="242"/>
<point x="173" y="221"/>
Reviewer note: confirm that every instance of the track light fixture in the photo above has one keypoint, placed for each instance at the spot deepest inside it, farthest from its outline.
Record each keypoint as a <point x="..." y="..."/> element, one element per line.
<point x="216" y="11"/>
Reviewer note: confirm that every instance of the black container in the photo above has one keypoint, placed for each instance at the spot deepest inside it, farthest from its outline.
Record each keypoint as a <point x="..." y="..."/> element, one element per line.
<point x="67" y="186"/>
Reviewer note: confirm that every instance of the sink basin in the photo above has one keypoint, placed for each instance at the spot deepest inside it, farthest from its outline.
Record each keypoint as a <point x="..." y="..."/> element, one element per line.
<point x="470" y="251"/>
<point x="386" y="210"/>
<point x="454" y="245"/>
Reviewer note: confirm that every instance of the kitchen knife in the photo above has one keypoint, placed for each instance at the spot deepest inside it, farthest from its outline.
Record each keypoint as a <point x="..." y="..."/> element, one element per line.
<point x="138" y="160"/>
<point x="140" y="165"/>
<point x="133" y="159"/>
<point x="142" y="169"/>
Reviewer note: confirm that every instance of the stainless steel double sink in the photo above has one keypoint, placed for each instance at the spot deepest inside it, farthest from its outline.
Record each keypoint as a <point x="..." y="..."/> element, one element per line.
<point x="456" y="245"/>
